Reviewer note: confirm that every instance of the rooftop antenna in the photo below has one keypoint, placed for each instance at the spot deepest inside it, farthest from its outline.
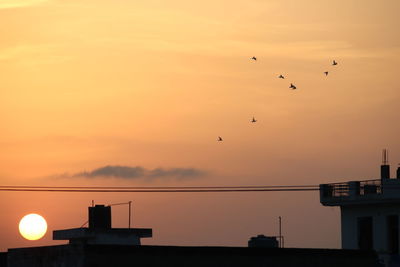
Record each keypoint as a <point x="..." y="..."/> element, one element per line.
<point x="385" y="157"/>
<point x="85" y="223"/>
<point x="281" y="245"/>
<point x="129" y="203"/>
<point x="385" y="168"/>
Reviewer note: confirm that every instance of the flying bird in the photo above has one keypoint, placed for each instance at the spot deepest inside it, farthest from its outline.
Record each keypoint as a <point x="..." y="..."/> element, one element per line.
<point x="219" y="139"/>
<point x="334" y="63"/>
<point x="292" y="86"/>
<point x="326" y="73"/>
<point x="281" y="77"/>
<point x="253" y="120"/>
<point x="254" y="58"/>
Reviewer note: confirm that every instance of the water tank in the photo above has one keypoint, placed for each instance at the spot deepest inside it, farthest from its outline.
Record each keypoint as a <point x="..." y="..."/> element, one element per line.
<point x="263" y="241"/>
<point x="100" y="217"/>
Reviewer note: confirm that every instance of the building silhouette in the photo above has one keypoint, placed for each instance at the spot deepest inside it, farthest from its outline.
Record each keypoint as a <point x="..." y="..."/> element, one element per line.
<point x="262" y="241"/>
<point x="370" y="211"/>
<point x="100" y="232"/>
<point x="100" y="245"/>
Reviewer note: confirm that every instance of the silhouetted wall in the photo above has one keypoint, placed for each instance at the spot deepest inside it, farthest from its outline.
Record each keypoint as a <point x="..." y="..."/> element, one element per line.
<point x="3" y="259"/>
<point x="100" y="217"/>
<point x="124" y="256"/>
<point x="62" y="256"/>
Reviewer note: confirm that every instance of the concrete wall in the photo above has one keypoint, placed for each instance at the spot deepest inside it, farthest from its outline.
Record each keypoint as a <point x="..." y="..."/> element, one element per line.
<point x="231" y="257"/>
<point x="114" y="239"/>
<point x="128" y="256"/>
<point x="349" y="216"/>
<point x="54" y="256"/>
<point x="3" y="259"/>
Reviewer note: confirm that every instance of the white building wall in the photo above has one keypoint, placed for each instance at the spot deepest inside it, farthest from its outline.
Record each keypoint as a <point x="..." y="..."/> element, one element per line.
<point x="379" y="213"/>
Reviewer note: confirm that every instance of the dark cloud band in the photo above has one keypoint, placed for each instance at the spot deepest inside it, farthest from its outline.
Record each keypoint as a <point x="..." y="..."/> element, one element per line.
<point x="128" y="172"/>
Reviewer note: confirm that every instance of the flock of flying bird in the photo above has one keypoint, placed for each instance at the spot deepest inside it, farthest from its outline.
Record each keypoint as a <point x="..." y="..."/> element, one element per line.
<point x="292" y="86"/>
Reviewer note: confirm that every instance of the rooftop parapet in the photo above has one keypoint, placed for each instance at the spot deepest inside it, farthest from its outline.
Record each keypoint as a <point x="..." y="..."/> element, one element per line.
<point x="360" y="192"/>
<point x="100" y="231"/>
<point x="114" y="236"/>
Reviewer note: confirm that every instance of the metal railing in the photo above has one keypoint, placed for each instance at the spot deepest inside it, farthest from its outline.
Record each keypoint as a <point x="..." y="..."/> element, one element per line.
<point x="356" y="188"/>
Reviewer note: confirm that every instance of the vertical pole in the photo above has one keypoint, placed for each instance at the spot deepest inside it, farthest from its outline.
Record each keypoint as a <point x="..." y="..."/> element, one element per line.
<point x="130" y="212"/>
<point x="280" y="232"/>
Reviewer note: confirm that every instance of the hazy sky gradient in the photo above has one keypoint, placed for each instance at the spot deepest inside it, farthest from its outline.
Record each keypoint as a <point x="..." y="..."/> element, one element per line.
<point x="88" y="84"/>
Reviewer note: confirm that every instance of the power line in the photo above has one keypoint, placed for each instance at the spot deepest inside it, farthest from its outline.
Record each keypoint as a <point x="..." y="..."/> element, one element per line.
<point x="159" y="187"/>
<point x="155" y="189"/>
<point x="158" y="191"/>
<point x="174" y="189"/>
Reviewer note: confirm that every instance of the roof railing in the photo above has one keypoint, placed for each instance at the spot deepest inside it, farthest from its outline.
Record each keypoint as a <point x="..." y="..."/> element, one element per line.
<point x="353" y="188"/>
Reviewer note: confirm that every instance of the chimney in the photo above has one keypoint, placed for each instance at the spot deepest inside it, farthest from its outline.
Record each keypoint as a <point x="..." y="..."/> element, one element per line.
<point x="100" y="217"/>
<point x="385" y="167"/>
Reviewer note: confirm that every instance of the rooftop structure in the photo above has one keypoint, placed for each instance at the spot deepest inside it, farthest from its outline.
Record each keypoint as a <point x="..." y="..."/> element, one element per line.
<point x="101" y="245"/>
<point x="370" y="211"/>
<point x="83" y="255"/>
<point x="263" y="241"/>
<point x="379" y="191"/>
<point x="100" y="231"/>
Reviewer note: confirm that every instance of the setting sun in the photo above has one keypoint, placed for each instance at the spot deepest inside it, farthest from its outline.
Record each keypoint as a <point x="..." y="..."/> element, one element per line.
<point x="32" y="226"/>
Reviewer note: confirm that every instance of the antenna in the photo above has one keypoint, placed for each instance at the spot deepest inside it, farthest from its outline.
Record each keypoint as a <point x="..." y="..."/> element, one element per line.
<point x="280" y="233"/>
<point x="385" y="157"/>
<point x="385" y="168"/>
<point x="129" y="203"/>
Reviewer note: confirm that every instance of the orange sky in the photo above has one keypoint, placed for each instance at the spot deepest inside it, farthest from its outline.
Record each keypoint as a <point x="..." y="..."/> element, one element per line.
<point x="86" y="84"/>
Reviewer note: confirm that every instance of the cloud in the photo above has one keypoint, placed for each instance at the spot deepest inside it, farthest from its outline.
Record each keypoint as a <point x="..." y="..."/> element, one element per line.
<point x="114" y="171"/>
<point x="175" y="172"/>
<point x="128" y="172"/>
<point x="19" y="3"/>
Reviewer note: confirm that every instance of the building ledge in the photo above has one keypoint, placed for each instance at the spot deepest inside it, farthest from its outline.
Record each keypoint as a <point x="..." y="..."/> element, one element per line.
<point x="380" y="191"/>
<point x="117" y="236"/>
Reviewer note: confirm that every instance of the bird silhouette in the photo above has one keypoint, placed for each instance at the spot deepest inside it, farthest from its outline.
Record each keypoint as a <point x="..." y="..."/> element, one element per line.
<point x="281" y="77"/>
<point x="253" y="120"/>
<point x="254" y="58"/>
<point x="334" y="63"/>
<point x="326" y="73"/>
<point x="219" y="139"/>
<point x="292" y="86"/>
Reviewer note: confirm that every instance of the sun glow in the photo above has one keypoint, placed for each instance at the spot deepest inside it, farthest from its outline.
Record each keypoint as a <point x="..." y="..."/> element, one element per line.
<point x="32" y="226"/>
